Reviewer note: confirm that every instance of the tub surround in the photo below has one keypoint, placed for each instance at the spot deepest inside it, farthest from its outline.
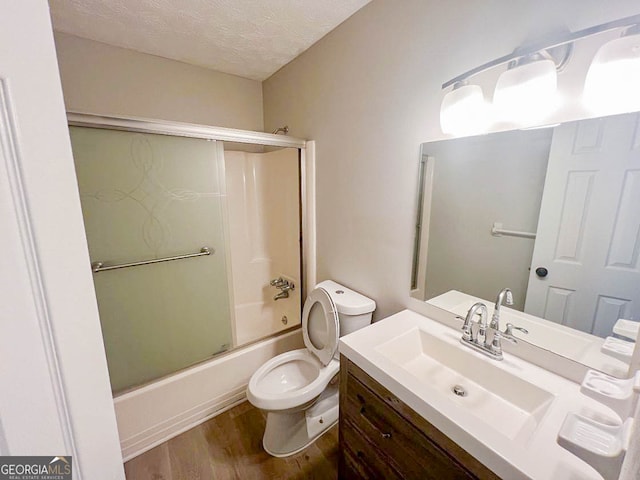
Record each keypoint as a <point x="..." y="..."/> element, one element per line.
<point x="509" y="430"/>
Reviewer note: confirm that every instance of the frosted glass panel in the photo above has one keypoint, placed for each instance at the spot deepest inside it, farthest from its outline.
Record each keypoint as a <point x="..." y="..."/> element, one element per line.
<point x="150" y="196"/>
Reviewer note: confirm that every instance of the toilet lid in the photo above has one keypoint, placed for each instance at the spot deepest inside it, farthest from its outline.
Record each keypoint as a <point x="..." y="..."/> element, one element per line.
<point x="320" y="326"/>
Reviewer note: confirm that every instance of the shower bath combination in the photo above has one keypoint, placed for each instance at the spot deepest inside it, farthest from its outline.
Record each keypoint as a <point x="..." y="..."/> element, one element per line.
<point x="187" y="241"/>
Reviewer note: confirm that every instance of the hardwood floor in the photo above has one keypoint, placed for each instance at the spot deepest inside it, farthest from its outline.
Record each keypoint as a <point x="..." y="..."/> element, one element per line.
<point x="229" y="446"/>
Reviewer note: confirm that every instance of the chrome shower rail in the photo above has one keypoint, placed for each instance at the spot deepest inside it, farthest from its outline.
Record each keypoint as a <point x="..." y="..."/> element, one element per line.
<point x="100" y="266"/>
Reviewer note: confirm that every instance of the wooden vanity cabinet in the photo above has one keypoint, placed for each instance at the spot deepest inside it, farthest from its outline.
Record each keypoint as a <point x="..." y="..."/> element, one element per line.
<point x="383" y="438"/>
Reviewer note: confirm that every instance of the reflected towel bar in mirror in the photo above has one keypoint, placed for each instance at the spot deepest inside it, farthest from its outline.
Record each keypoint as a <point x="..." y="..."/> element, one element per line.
<point x="498" y="231"/>
<point x="101" y="267"/>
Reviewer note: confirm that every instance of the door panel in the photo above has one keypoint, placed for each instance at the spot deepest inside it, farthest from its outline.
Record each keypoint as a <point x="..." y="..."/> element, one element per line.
<point x="589" y="228"/>
<point x="149" y="196"/>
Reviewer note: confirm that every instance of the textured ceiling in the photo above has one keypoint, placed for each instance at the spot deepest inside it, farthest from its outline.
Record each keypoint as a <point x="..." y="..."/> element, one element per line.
<point x="249" y="38"/>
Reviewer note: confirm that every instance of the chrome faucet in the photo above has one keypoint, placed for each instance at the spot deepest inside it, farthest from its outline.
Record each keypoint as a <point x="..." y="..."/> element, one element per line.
<point x="468" y="333"/>
<point x="487" y="338"/>
<point x="493" y="336"/>
<point x="480" y="336"/>
<point x="505" y="296"/>
<point x="284" y="286"/>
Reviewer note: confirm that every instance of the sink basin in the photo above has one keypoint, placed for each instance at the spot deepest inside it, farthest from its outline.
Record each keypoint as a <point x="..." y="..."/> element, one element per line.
<point x="504" y="413"/>
<point x="507" y="404"/>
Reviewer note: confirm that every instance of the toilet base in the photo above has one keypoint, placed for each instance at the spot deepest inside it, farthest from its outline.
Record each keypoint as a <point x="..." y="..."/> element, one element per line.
<point x="291" y="432"/>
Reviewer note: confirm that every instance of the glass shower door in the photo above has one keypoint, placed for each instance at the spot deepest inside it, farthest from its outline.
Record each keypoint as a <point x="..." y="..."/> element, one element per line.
<point x="145" y="197"/>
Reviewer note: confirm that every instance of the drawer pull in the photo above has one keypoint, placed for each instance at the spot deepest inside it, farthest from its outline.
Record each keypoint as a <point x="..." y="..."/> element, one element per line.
<point x="383" y="434"/>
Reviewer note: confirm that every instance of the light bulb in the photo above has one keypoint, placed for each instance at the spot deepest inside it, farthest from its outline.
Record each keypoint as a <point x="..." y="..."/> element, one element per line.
<point x="613" y="81"/>
<point x="464" y="111"/>
<point x="526" y="94"/>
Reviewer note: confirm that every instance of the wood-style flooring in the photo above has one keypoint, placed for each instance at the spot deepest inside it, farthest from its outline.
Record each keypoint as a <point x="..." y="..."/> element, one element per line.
<point x="229" y="446"/>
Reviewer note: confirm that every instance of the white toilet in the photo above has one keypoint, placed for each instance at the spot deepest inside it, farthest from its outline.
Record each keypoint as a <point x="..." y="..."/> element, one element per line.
<point x="299" y="389"/>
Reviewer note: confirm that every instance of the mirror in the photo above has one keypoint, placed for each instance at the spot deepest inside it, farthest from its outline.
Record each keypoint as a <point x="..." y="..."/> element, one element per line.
<point x="553" y="214"/>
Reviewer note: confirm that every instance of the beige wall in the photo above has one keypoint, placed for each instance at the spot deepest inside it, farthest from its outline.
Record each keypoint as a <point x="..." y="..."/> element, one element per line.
<point x="99" y="78"/>
<point x="369" y="94"/>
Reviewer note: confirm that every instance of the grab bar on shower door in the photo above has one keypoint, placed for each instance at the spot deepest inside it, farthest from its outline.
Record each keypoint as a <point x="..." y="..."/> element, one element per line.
<point x="101" y="267"/>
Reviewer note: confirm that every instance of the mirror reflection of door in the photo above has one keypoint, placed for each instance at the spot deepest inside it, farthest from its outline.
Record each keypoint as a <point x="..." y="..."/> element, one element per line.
<point x="588" y="251"/>
<point x="588" y="236"/>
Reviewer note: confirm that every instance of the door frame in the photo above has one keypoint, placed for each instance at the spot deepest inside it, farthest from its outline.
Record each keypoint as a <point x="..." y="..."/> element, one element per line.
<point x="55" y="398"/>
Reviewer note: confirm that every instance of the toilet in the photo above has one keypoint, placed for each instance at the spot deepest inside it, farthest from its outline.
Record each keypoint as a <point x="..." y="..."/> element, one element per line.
<point x="299" y="389"/>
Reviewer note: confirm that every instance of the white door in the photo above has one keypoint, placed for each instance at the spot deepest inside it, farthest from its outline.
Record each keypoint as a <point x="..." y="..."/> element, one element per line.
<point x="588" y="236"/>
<point x="54" y="395"/>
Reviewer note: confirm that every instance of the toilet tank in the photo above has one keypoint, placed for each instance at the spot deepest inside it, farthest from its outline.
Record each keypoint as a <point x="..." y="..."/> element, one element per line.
<point x="354" y="310"/>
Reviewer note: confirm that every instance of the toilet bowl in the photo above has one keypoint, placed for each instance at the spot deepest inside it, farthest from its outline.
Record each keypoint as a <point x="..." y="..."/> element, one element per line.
<point x="299" y="389"/>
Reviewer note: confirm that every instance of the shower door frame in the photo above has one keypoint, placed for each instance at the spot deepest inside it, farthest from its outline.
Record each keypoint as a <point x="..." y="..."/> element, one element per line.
<point x="178" y="129"/>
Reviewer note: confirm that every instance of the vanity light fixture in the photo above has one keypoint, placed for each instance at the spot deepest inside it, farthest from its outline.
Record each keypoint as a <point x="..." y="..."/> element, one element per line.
<point x="613" y="81"/>
<point x="464" y="110"/>
<point x="526" y="93"/>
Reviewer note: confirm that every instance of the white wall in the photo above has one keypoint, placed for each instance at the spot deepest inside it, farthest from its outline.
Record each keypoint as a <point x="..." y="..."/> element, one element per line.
<point x="369" y="93"/>
<point x="107" y="80"/>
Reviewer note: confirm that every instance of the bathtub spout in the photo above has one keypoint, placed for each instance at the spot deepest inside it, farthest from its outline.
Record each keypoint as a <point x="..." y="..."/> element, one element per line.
<point x="283" y="294"/>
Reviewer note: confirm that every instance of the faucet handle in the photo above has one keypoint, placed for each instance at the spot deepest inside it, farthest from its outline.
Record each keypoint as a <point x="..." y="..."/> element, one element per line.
<point x="479" y="309"/>
<point x="503" y="336"/>
<point x="466" y="328"/>
<point x="286" y="286"/>
<point x="508" y="333"/>
<point x="511" y="327"/>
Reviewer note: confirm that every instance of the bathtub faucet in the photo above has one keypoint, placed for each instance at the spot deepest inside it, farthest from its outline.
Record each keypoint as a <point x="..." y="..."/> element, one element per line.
<point x="284" y="286"/>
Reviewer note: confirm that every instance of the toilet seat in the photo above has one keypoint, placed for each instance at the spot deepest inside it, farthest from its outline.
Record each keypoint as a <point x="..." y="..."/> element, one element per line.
<point x="320" y="325"/>
<point x="290" y="380"/>
<point x="295" y="378"/>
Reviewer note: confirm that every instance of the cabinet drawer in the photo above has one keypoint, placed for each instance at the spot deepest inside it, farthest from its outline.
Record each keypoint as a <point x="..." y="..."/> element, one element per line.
<point x="363" y="460"/>
<point x="409" y="452"/>
<point x="411" y="445"/>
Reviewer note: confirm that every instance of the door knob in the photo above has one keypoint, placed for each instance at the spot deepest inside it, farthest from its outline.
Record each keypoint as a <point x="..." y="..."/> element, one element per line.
<point x="542" y="272"/>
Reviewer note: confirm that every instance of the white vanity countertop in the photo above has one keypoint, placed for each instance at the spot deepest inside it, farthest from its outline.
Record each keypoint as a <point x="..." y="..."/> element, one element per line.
<point x="533" y="454"/>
